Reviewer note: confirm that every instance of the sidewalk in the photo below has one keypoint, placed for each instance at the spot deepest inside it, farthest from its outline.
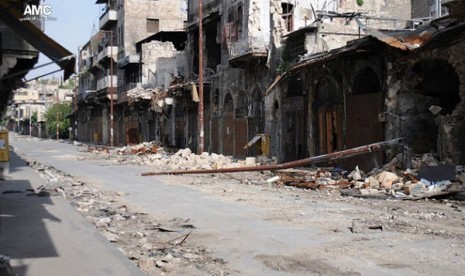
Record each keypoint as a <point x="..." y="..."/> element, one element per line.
<point x="46" y="236"/>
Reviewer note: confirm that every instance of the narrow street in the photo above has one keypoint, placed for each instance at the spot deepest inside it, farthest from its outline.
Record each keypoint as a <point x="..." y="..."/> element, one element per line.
<point x="259" y="229"/>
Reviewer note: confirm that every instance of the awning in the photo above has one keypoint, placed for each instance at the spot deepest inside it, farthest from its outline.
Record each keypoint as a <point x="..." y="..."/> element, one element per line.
<point x="34" y="36"/>
<point x="440" y="33"/>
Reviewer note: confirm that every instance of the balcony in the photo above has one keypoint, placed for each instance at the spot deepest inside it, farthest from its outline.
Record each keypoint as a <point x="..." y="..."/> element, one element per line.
<point x="106" y="82"/>
<point x="247" y="49"/>
<point x="108" y="19"/>
<point x="127" y="60"/>
<point x="108" y="52"/>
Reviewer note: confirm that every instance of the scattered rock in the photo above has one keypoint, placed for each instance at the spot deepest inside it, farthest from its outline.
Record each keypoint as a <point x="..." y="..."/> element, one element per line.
<point x="356" y="174"/>
<point x="146" y="263"/>
<point x="110" y="236"/>
<point x="146" y="246"/>
<point x="386" y="179"/>
<point x="415" y="189"/>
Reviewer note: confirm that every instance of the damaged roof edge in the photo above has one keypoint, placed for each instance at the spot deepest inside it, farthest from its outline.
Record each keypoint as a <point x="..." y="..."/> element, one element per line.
<point x="441" y="32"/>
<point x="38" y="39"/>
<point x="323" y="56"/>
<point x="417" y="40"/>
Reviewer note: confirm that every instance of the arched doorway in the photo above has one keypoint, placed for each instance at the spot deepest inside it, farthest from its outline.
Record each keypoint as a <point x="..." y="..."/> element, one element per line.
<point x="328" y="115"/>
<point x="240" y="125"/>
<point x="294" y="120"/>
<point x="434" y="82"/>
<point x="364" y="105"/>
<point x="255" y="118"/>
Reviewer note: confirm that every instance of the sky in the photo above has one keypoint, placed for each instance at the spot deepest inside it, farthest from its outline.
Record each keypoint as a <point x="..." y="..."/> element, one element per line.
<point x="76" y="21"/>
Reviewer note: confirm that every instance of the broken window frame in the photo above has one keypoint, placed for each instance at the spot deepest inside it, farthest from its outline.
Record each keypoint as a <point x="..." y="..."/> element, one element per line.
<point x="288" y="16"/>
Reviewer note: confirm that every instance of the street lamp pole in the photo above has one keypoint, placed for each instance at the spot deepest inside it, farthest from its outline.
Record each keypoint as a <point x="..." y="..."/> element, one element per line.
<point x="201" y="105"/>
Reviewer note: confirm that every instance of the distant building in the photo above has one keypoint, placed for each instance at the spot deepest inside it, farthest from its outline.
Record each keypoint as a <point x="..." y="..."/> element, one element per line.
<point x="34" y="100"/>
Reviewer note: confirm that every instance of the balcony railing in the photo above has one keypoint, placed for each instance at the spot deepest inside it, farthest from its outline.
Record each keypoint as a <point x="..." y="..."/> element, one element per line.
<point x="108" y="18"/>
<point x="105" y="82"/>
<point x="249" y="45"/>
<point x="129" y="59"/>
<point x="108" y="52"/>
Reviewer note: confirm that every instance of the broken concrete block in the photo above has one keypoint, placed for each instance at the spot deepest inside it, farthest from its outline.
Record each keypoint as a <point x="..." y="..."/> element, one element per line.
<point x="415" y="189"/>
<point x="373" y="182"/>
<point x="369" y="191"/>
<point x="359" y="184"/>
<point x="119" y="217"/>
<point x="146" y="246"/>
<point x="139" y="234"/>
<point x="168" y="267"/>
<point x="183" y="152"/>
<point x="146" y="263"/>
<point x="356" y="174"/>
<point x="142" y="241"/>
<point x="386" y="179"/>
<point x="110" y="236"/>
<point x="398" y="186"/>
<point x="429" y="160"/>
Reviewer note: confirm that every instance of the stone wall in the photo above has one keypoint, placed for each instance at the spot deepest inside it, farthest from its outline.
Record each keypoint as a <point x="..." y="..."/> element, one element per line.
<point x="411" y="94"/>
<point x="400" y="9"/>
<point x="169" y="13"/>
<point x="152" y="52"/>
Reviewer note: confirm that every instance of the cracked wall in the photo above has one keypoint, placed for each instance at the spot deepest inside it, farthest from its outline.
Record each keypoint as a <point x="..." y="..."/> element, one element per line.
<point x="434" y="78"/>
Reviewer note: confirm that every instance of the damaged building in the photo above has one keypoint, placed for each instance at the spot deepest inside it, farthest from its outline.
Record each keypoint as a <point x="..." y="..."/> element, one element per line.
<point x="124" y="66"/>
<point x="402" y="81"/>
<point x="21" y="40"/>
<point x="247" y="44"/>
<point x="309" y="77"/>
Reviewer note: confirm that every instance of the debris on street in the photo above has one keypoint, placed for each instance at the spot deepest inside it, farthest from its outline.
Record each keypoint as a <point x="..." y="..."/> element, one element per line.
<point x="156" y="245"/>
<point x="426" y="178"/>
<point x="390" y="182"/>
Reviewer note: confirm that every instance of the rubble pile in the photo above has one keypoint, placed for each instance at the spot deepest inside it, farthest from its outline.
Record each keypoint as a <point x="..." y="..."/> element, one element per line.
<point x="186" y="160"/>
<point x="140" y="149"/>
<point x="153" y="154"/>
<point x="155" y="245"/>
<point x="139" y="93"/>
<point x="387" y="182"/>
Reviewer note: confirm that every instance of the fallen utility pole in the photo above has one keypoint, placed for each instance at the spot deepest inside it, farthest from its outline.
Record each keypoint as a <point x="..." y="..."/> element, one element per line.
<point x="298" y="163"/>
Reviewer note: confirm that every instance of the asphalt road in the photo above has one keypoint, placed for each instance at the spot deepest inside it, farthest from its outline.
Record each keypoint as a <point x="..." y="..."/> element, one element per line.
<point x="46" y="236"/>
<point x="238" y="233"/>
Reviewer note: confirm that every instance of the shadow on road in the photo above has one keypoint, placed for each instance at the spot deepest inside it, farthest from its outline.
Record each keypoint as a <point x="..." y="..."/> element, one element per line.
<point x="23" y="231"/>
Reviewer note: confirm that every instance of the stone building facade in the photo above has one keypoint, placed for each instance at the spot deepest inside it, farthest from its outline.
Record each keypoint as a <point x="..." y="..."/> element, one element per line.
<point x="247" y="44"/>
<point x="381" y="87"/>
<point x="111" y="64"/>
<point x="313" y="78"/>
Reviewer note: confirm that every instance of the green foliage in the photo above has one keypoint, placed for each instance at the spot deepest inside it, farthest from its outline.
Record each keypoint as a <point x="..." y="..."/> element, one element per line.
<point x="284" y="63"/>
<point x="58" y="112"/>
<point x="34" y="117"/>
<point x="69" y="84"/>
<point x="360" y="2"/>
